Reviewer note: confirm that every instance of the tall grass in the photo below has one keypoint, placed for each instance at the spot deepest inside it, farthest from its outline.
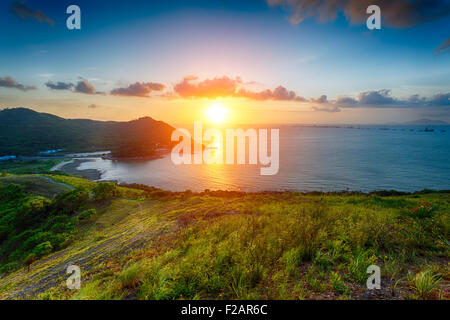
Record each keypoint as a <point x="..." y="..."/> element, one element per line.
<point x="277" y="246"/>
<point x="265" y="252"/>
<point x="424" y="283"/>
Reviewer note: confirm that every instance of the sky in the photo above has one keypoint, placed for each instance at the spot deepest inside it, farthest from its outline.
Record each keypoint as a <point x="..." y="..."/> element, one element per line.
<point x="265" y="61"/>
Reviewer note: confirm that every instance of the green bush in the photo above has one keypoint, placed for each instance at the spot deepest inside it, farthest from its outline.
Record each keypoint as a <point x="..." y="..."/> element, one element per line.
<point x="424" y="283"/>
<point x="423" y="210"/>
<point x="86" y="214"/>
<point x="68" y="202"/>
<point x="105" y="190"/>
<point x="337" y="284"/>
<point x="359" y="263"/>
<point x="130" y="277"/>
<point x="292" y="258"/>
<point x="42" y="249"/>
<point x="8" y="267"/>
<point x="34" y="224"/>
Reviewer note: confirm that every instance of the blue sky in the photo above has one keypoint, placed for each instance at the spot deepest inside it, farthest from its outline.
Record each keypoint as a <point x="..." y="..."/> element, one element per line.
<point x="126" y="42"/>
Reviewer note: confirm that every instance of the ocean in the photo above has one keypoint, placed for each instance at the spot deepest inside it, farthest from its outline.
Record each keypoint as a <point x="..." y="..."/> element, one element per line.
<point x="358" y="158"/>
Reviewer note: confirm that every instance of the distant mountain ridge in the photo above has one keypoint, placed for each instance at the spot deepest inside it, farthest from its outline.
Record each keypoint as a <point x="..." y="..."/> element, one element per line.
<point x="27" y="132"/>
<point x="427" y="122"/>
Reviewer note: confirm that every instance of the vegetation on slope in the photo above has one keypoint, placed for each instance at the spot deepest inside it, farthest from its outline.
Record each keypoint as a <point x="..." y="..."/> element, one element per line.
<point x="26" y="132"/>
<point x="151" y="244"/>
<point x="32" y="225"/>
<point x="288" y="246"/>
<point x="27" y="166"/>
<point x="35" y="184"/>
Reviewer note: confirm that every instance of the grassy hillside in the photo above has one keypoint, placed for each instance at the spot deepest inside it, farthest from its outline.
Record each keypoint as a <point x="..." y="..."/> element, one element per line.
<point x="150" y="244"/>
<point x="27" y="166"/>
<point x="36" y="184"/>
<point x="26" y="132"/>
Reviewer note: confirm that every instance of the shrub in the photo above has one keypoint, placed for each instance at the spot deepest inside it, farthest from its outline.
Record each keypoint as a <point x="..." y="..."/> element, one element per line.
<point x="42" y="249"/>
<point x="11" y="192"/>
<point x="322" y="261"/>
<point x="87" y="213"/>
<point x="424" y="210"/>
<point x="9" y="267"/>
<point x="37" y="238"/>
<point x="34" y="224"/>
<point x="292" y="258"/>
<point x="424" y="283"/>
<point x="131" y="276"/>
<point x="337" y="284"/>
<point x="105" y="190"/>
<point x="68" y="202"/>
<point x="359" y="263"/>
<point x="314" y="283"/>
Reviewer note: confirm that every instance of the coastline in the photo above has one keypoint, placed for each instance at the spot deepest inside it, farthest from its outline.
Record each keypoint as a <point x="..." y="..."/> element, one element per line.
<point x="70" y="167"/>
<point x="158" y="155"/>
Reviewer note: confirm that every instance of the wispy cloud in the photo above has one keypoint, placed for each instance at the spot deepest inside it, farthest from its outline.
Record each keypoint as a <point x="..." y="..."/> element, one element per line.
<point x="397" y="14"/>
<point x="280" y="93"/>
<point x="209" y="88"/>
<point x="380" y="97"/>
<point x="321" y="100"/>
<point x="343" y="100"/>
<point x="443" y="47"/>
<point x="326" y="109"/>
<point x="59" y="85"/>
<point x="225" y="87"/>
<point x="8" y="82"/>
<point x="82" y="86"/>
<point x="383" y="99"/>
<point x="23" y="12"/>
<point x="138" y="89"/>
<point x="222" y="87"/>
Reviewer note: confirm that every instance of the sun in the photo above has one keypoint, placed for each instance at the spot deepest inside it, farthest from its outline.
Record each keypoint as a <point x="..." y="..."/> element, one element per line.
<point x="217" y="113"/>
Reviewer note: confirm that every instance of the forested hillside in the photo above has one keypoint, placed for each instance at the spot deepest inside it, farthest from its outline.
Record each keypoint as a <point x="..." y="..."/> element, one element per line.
<point x="26" y="132"/>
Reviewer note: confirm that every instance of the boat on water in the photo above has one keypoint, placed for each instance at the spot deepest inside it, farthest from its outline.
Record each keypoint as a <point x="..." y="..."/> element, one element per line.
<point x="428" y="130"/>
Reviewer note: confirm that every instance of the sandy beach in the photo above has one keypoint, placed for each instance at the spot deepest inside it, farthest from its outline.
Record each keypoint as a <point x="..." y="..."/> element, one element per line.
<point x="71" y="166"/>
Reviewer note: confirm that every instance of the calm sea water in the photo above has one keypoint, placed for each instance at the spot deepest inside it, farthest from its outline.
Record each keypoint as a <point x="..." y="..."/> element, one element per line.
<point x="312" y="158"/>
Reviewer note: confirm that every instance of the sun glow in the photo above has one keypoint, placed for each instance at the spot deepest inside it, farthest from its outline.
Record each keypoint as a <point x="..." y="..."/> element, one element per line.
<point x="217" y="113"/>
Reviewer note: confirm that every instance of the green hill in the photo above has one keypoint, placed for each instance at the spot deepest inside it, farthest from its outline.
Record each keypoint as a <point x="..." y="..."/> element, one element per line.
<point x="26" y="132"/>
<point x="144" y="243"/>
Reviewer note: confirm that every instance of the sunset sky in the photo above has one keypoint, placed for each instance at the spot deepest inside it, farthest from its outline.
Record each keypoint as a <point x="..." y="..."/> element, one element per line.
<point x="274" y="61"/>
